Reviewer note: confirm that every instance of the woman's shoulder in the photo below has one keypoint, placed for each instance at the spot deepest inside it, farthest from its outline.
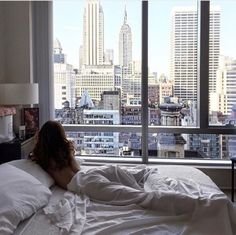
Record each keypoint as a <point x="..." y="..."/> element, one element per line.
<point x="75" y="165"/>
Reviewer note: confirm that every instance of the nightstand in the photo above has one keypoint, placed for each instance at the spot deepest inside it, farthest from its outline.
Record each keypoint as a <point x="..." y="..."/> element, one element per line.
<point x="15" y="149"/>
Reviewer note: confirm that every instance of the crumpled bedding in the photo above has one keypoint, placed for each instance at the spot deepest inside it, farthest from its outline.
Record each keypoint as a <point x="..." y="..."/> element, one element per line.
<point x="69" y="214"/>
<point x="152" y="203"/>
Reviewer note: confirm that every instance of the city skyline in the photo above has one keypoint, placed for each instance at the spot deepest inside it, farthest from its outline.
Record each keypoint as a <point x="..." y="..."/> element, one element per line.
<point x="107" y="85"/>
<point x="69" y="29"/>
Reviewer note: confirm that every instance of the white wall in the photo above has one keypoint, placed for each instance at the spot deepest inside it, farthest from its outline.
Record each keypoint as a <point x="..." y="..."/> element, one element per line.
<point x="26" y="48"/>
<point x="2" y="52"/>
<point x="15" y="51"/>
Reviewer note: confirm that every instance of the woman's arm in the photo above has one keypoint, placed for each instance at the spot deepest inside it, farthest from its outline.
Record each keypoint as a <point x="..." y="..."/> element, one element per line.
<point x="74" y="164"/>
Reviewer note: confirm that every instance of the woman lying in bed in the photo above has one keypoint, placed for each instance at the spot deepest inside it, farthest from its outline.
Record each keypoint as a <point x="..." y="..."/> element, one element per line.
<point x="55" y="154"/>
<point x="109" y="185"/>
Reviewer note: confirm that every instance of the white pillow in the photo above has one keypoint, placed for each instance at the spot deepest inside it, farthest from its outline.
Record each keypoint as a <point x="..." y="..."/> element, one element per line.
<point x="21" y="195"/>
<point x="35" y="170"/>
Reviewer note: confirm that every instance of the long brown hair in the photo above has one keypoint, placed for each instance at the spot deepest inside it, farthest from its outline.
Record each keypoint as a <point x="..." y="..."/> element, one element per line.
<point x="52" y="149"/>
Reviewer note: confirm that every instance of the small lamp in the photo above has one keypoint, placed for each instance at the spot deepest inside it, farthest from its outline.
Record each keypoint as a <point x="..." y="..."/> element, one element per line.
<point x="15" y="94"/>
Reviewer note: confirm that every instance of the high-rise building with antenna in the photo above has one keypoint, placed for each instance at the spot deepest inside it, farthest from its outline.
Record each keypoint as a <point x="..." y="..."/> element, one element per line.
<point x="125" y="43"/>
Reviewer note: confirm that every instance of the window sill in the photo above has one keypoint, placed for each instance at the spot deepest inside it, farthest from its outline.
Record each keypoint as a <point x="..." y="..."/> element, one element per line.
<point x="204" y="164"/>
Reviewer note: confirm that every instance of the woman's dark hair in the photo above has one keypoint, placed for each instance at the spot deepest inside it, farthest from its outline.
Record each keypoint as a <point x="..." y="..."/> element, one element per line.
<point x="52" y="149"/>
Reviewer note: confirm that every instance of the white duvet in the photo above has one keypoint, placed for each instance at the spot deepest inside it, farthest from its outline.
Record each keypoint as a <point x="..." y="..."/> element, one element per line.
<point x="165" y="205"/>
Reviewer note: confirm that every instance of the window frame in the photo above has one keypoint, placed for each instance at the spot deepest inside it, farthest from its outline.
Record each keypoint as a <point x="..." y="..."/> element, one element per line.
<point x="203" y="126"/>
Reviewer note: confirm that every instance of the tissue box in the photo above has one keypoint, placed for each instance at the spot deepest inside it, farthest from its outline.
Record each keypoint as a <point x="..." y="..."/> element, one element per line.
<point x="6" y="124"/>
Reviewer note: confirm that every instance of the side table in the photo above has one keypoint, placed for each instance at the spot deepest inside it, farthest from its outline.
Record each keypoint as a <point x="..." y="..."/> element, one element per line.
<point x="15" y="149"/>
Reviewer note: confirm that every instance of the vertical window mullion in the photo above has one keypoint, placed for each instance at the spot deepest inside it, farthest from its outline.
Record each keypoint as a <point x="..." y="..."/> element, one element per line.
<point x="203" y="87"/>
<point x="144" y="82"/>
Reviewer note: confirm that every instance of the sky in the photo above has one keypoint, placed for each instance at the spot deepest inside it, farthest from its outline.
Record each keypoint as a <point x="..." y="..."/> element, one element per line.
<point x="68" y="25"/>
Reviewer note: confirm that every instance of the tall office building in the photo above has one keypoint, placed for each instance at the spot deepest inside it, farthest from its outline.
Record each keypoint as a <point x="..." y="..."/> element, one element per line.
<point x="93" y="33"/>
<point x="101" y="143"/>
<point x="96" y="80"/>
<point x="64" y="78"/>
<point x="225" y="97"/>
<point x="184" y="47"/>
<point x="125" y="43"/>
<point x="214" y="47"/>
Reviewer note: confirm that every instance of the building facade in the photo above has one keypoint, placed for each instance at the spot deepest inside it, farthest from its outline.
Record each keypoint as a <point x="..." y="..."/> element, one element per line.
<point x="170" y="145"/>
<point x="184" y="49"/>
<point x="93" y="33"/>
<point x="96" y="80"/>
<point x="64" y="79"/>
<point x="111" y="100"/>
<point x="101" y="143"/>
<point x="125" y="43"/>
<point x="225" y="96"/>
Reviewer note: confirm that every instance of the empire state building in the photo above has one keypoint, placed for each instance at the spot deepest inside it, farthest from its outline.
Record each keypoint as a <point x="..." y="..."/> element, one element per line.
<point x="125" y="43"/>
<point x="93" y="33"/>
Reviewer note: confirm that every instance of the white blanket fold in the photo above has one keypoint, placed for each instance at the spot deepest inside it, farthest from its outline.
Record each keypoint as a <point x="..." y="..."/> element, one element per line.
<point x="191" y="208"/>
<point x="115" y="186"/>
<point x="69" y="214"/>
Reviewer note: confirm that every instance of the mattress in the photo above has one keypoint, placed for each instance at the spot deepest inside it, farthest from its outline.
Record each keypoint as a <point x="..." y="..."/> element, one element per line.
<point x="133" y="219"/>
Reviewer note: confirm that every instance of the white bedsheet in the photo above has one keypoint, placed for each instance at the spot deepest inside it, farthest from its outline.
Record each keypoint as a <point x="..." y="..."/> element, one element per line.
<point x="212" y="213"/>
<point x="39" y="224"/>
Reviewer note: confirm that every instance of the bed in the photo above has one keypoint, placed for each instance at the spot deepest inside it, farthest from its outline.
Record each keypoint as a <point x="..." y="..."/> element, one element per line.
<point x="58" y="211"/>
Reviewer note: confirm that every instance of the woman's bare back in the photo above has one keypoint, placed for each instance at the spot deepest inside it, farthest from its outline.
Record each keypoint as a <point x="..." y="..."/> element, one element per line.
<point x="63" y="176"/>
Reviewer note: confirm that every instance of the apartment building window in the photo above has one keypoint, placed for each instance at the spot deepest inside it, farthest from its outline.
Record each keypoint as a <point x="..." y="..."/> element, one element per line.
<point x="148" y="77"/>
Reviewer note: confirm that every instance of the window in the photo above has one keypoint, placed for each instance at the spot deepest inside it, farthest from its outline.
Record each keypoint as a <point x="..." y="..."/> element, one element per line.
<point x="222" y="86"/>
<point x="125" y="105"/>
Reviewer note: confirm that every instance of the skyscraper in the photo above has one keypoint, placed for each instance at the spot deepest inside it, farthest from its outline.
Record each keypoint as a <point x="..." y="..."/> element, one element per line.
<point x="93" y="33"/>
<point x="183" y="69"/>
<point x="214" y="46"/>
<point x="125" y="43"/>
<point x="64" y="78"/>
<point x="184" y="47"/>
<point x="224" y="99"/>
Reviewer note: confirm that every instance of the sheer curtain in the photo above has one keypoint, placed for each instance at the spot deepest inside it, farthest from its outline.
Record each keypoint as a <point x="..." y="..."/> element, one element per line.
<point x="42" y="56"/>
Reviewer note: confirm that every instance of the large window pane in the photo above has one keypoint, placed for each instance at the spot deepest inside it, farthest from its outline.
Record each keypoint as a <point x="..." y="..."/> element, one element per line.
<point x="191" y="146"/>
<point x="107" y="144"/>
<point x="97" y="72"/>
<point x="222" y="63"/>
<point x="97" y="62"/>
<point x="173" y="42"/>
<point x="97" y="75"/>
